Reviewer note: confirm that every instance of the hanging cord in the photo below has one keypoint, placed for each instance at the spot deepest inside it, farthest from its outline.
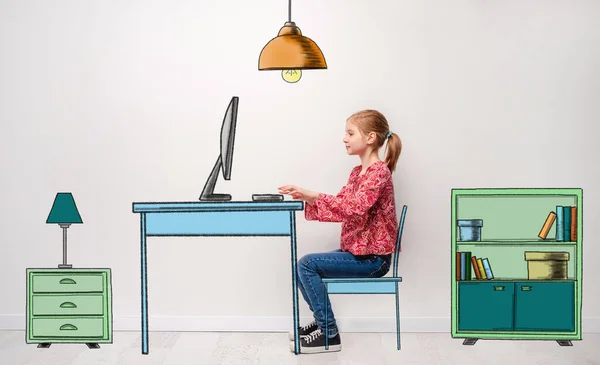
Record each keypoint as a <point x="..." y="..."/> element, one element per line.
<point x="290" y="10"/>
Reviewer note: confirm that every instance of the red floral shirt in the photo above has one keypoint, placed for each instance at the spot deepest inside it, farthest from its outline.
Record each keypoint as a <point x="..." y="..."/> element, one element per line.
<point x="366" y="208"/>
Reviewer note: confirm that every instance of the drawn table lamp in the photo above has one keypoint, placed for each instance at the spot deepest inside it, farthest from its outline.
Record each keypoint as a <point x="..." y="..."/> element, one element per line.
<point x="291" y="52"/>
<point x="64" y="213"/>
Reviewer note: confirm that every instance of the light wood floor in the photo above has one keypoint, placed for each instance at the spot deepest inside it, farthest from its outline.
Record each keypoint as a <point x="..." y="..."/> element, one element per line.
<point x="207" y="348"/>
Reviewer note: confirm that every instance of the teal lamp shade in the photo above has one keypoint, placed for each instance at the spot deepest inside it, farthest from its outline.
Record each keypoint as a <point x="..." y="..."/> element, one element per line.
<point x="64" y="210"/>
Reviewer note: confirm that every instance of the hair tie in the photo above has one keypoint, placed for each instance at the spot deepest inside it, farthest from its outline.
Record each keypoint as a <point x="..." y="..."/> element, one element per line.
<point x="388" y="134"/>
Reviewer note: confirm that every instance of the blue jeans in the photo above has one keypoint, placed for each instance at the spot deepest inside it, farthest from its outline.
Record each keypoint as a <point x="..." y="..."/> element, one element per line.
<point x="334" y="264"/>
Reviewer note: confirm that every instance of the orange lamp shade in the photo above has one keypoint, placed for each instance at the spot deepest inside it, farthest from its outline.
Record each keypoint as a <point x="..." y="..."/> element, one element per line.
<point x="290" y="50"/>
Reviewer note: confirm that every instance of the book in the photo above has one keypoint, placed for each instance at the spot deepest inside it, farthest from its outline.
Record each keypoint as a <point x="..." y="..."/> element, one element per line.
<point x="481" y="269"/>
<point x="566" y="223"/>
<point x="573" y="224"/>
<point x="468" y="271"/>
<point x="457" y="274"/>
<point x="462" y="266"/>
<point x="488" y="269"/>
<point x="475" y="267"/>
<point x="559" y="223"/>
<point x="547" y="225"/>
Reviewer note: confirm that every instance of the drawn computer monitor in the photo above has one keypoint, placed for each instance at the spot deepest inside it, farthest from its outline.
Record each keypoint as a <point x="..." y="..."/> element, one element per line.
<point x="225" y="158"/>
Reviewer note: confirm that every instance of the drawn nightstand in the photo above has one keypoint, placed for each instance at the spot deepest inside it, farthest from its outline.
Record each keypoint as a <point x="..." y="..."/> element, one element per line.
<point x="69" y="306"/>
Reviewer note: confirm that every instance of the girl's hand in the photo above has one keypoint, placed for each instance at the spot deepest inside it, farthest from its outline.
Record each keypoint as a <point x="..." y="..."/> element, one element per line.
<point x="299" y="193"/>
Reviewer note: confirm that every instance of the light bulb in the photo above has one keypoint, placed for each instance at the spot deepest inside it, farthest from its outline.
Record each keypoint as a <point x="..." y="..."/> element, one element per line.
<point x="291" y="76"/>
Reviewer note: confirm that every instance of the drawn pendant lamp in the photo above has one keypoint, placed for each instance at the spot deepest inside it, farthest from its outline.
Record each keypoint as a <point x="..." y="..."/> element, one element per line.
<point x="291" y="52"/>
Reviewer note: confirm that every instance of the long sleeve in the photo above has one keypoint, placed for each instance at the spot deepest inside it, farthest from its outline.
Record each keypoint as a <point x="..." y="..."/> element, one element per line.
<point x="312" y="211"/>
<point x="329" y="208"/>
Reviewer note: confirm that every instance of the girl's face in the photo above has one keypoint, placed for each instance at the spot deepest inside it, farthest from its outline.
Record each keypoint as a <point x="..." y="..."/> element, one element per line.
<point x="355" y="141"/>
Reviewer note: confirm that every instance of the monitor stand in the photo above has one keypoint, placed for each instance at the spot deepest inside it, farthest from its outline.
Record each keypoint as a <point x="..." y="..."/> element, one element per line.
<point x="216" y="197"/>
<point x="208" y="194"/>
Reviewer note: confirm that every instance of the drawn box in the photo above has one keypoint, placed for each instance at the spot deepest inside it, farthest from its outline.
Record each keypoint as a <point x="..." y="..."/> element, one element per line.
<point x="546" y="265"/>
<point x="470" y="229"/>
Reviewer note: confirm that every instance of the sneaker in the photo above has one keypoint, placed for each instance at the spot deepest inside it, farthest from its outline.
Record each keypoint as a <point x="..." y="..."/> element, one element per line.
<point x="315" y="343"/>
<point x="304" y="330"/>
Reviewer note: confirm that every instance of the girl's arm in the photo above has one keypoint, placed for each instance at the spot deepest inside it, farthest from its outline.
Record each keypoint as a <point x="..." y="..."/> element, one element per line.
<point x="329" y="208"/>
<point x="312" y="212"/>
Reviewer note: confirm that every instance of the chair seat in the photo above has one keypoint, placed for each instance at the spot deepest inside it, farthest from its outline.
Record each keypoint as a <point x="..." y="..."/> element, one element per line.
<point x="383" y="285"/>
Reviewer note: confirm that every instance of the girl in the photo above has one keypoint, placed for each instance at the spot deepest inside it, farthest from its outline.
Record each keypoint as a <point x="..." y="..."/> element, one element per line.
<point x="367" y="210"/>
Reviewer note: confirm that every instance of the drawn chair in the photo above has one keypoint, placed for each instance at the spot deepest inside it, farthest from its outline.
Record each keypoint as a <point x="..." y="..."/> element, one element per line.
<point x="382" y="285"/>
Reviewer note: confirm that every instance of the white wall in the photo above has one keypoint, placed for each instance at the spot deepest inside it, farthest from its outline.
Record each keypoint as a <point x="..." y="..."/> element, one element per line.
<point x="122" y="101"/>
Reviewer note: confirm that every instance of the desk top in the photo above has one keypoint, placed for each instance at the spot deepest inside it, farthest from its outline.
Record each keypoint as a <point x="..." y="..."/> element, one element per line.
<point x="244" y="206"/>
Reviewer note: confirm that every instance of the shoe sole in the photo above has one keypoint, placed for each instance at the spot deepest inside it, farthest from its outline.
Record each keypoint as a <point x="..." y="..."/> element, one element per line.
<point x="316" y="350"/>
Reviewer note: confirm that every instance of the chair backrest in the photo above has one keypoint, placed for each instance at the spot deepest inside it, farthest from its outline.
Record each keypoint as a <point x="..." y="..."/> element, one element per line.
<point x="399" y="240"/>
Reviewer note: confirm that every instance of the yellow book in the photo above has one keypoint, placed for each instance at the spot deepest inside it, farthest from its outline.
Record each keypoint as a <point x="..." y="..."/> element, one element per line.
<point x="481" y="269"/>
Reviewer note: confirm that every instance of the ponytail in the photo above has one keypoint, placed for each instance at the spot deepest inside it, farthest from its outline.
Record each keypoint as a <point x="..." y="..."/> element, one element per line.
<point x="393" y="148"/>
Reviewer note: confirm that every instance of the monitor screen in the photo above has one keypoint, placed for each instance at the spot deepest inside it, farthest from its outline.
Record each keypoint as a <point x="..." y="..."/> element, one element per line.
<point x="228" y="136"/>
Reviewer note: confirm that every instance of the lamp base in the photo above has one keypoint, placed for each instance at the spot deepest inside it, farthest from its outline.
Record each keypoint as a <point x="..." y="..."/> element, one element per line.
<point x="65" y="266"/>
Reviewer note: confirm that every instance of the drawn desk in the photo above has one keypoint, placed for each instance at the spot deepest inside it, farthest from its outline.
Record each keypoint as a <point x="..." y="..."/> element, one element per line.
<point x="231" y="218"/>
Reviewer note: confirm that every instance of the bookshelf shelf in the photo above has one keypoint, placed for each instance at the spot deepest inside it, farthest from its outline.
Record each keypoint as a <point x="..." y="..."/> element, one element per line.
<point x="512" y="279"/>
<point x="520" y="277"/>
<point x="516" y="242"/>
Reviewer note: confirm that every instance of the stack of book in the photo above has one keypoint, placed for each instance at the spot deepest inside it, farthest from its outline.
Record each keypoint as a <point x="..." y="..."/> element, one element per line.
<point x="566" y="224"/>
<point x="467" y="265"/>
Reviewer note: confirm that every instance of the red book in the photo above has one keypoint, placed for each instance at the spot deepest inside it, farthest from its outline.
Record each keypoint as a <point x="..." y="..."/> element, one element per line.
<point x="475" y="267"/>
<point x="458" y="266"/>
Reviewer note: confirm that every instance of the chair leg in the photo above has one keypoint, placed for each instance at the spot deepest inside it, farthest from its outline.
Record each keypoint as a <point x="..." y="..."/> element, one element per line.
<point x="326" y="326"/>
<point x="397" y="318"/>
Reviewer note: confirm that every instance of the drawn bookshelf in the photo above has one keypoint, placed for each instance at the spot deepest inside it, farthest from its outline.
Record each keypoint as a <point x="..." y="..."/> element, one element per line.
<point x="531" y="286"/>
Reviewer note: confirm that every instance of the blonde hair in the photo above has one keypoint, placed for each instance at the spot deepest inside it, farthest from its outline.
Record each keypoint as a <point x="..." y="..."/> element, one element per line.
<point x="368" y="121"/>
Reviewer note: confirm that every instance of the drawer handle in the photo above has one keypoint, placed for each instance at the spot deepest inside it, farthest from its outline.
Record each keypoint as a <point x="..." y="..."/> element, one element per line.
<point x="526" y="288"/>
<point x="67" y="281"/>
<point x="68" y="305"/>
<point x="499" y="288"/>
<point x="68" y="327"/>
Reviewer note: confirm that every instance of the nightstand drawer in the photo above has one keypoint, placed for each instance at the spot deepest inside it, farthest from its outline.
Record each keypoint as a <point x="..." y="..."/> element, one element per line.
<point x="67" y="283"/>
<point x="91" y="305"/>
<point x="67" y="327"/>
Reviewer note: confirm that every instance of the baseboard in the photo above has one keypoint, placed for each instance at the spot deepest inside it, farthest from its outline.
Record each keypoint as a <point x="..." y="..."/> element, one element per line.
<point x="276" y="324"/>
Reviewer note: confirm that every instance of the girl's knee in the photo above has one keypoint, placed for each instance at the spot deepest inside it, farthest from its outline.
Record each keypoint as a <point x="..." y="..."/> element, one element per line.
<point x="307" y="261"/>
<point x="304" y="260"/>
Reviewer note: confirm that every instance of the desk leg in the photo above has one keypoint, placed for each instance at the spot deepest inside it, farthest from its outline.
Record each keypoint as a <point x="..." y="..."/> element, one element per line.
<point x="144" y="284"/>
<point x="294" y="281"/>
